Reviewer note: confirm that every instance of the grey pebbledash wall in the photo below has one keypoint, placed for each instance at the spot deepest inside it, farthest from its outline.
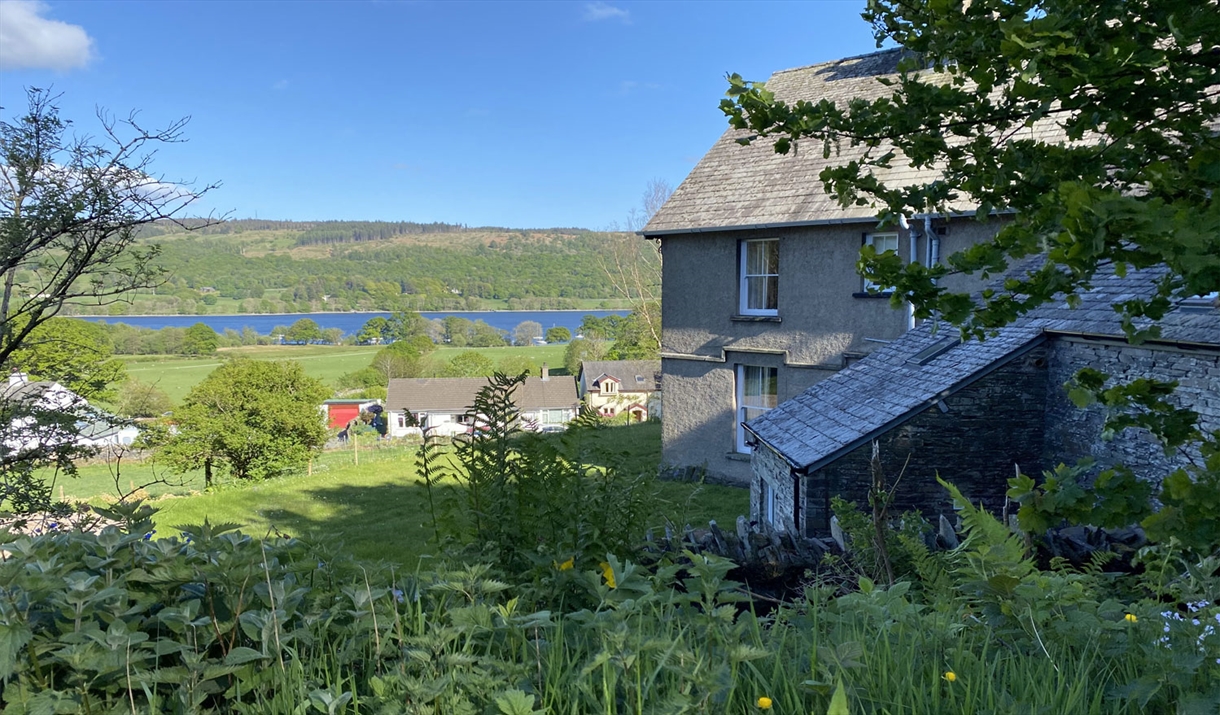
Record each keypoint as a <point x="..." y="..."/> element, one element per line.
<point x="1073" y="433"/>
<point x="985" y="429"/>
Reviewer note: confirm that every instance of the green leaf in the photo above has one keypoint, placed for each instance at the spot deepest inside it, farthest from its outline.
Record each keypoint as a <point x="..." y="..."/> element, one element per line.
<point x="242" y="655"/>
<point x="12" y="639"/>
<point x="838" y="702"/>
<point x="516" y="702"/>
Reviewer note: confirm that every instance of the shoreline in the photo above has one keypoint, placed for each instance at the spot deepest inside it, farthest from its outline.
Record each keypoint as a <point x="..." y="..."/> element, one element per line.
<point x="352" y="312"/>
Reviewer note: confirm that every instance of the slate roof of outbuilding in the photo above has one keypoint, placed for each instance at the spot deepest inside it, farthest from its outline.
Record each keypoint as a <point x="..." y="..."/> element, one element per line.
<point x="628" y="372"/>
<point x="886" y="388"/>
<point x="456" y="394"/>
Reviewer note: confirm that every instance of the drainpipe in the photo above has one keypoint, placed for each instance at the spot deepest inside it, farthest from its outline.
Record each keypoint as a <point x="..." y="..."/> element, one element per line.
<point x="913" y="234"/>
<point x="933" y="242"/>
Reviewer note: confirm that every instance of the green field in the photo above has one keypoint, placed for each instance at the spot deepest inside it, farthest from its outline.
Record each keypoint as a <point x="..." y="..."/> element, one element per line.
<point x="177" y="375"/>
<point x="377" y="510"/>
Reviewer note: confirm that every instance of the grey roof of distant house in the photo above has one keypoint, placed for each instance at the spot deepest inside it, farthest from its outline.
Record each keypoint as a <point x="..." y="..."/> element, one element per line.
<point x="24" y="391"/>
<point x="885" y="389"/>
<point x="456" y="394"/>
<point x="635" y="375"/>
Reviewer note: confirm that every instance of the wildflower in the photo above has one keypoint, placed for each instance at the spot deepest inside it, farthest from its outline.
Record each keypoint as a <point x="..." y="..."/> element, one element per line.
<point x="1131" y="618"/>
<point x="950" y="676"/>
<point x="764" y="703"/>
<point x="566" y="565"/>
<point x="608" y="574"/>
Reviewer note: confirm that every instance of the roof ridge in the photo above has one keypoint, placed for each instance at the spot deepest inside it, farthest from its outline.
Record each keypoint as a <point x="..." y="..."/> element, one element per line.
<point x="841" y="60"/>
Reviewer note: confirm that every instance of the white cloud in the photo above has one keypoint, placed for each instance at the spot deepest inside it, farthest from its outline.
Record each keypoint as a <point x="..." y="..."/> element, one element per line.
<point x="597" y="11"/>
<point x="280" y="85"/>
<point x="628" y="86"/>
<point x="29" y="40"/>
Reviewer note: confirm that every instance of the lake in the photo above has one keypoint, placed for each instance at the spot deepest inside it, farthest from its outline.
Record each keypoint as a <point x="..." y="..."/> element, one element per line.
<point x="351" y="322"/>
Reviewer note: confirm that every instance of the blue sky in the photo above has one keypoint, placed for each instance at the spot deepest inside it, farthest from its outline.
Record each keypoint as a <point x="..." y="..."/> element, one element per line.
<point x="496" y="113"/>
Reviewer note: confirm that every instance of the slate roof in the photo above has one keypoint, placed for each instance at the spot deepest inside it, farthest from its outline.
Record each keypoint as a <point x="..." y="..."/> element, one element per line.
<point x="634" y="375"/>
<point x="24" y="392"/>
<point x="736" y="186"/>
<point x="889" y="387"/>
<point x="456" y="394"/>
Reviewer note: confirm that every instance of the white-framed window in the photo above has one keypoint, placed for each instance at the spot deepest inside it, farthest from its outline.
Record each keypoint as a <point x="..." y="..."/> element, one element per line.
<point x="609" y="387"/>
<point x="759" y="288"/>
<point x="401" y="420"/>
<point x="757" y="392"/>
<point x="766" y="502"/>
<point x="553" y="417"/>
<point x="881" y="242"/>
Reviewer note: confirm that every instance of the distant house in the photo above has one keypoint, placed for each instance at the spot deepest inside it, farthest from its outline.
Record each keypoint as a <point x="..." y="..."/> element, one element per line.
<point x="972" y="413"/>
<point x="612" y="387"/>
<point x="442" y="404"/>
<point x="47" y="414"/>
<point x="339" y="412"/>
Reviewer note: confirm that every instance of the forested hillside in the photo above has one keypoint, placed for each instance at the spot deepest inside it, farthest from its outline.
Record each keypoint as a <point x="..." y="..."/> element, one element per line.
<point x="254" y="266"/>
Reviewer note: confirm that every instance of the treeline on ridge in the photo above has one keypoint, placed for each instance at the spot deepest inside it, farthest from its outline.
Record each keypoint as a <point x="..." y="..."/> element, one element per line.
<point x="519" y="270"/>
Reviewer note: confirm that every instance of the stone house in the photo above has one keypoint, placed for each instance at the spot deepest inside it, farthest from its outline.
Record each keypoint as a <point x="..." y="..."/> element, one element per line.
<point x="612" y="387"/>
<point x="546" y="403"/>
<point x="761" y="298"/>
<point x="975" y="412"/>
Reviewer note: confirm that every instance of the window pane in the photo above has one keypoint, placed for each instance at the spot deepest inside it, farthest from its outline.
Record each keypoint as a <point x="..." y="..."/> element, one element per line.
<point x="762" y="258"/>
<point x="757" y="292"/>
<point x="762" y="292"/>
<point x="760" y="388"/>
<point x="756" y="258"/>
<point x="772" y="299"/>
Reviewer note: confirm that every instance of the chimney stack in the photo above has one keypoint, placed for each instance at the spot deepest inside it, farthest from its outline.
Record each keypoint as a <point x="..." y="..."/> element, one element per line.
<point x="546" y="372"/>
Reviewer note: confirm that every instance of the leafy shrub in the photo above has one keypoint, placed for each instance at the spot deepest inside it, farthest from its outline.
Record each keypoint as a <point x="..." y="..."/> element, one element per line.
<point x="525" y="502"/>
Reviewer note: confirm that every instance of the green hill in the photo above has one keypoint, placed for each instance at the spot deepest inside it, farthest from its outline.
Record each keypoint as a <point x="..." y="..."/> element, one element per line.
<point x="253" y="266"/>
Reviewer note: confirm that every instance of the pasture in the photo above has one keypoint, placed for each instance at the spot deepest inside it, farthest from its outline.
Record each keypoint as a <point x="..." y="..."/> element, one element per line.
<point x="377" y="509"/>
<point x="177" y="375"/>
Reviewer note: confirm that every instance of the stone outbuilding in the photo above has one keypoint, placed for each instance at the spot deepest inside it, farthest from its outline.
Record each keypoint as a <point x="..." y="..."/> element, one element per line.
<point x="974" y="412"/>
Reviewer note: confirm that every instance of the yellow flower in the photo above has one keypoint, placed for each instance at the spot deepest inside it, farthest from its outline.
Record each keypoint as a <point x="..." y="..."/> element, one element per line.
<point x="764" y="703"/>
<point x="608" y="574"/>
<point x="1131" y="618"/>
<point x="950" y="676"/>
<point x="566" y="565"/>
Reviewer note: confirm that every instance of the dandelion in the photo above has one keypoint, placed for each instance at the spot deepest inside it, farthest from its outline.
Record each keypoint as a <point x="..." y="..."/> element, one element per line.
<point x="608" y="574"/>
<point x="950" y="676"/>
<point x="566" y="565"/>
<point x="764" y="703"/>
<point x="1131" y="618"/>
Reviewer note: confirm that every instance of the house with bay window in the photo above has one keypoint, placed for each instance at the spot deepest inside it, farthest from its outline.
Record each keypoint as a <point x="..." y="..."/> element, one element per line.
<point x="761" y="298"/>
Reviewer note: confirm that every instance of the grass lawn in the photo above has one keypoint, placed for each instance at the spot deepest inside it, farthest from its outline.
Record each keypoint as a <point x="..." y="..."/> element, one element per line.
<point x="177" y="375"/>
<point x="378" y="510"/>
